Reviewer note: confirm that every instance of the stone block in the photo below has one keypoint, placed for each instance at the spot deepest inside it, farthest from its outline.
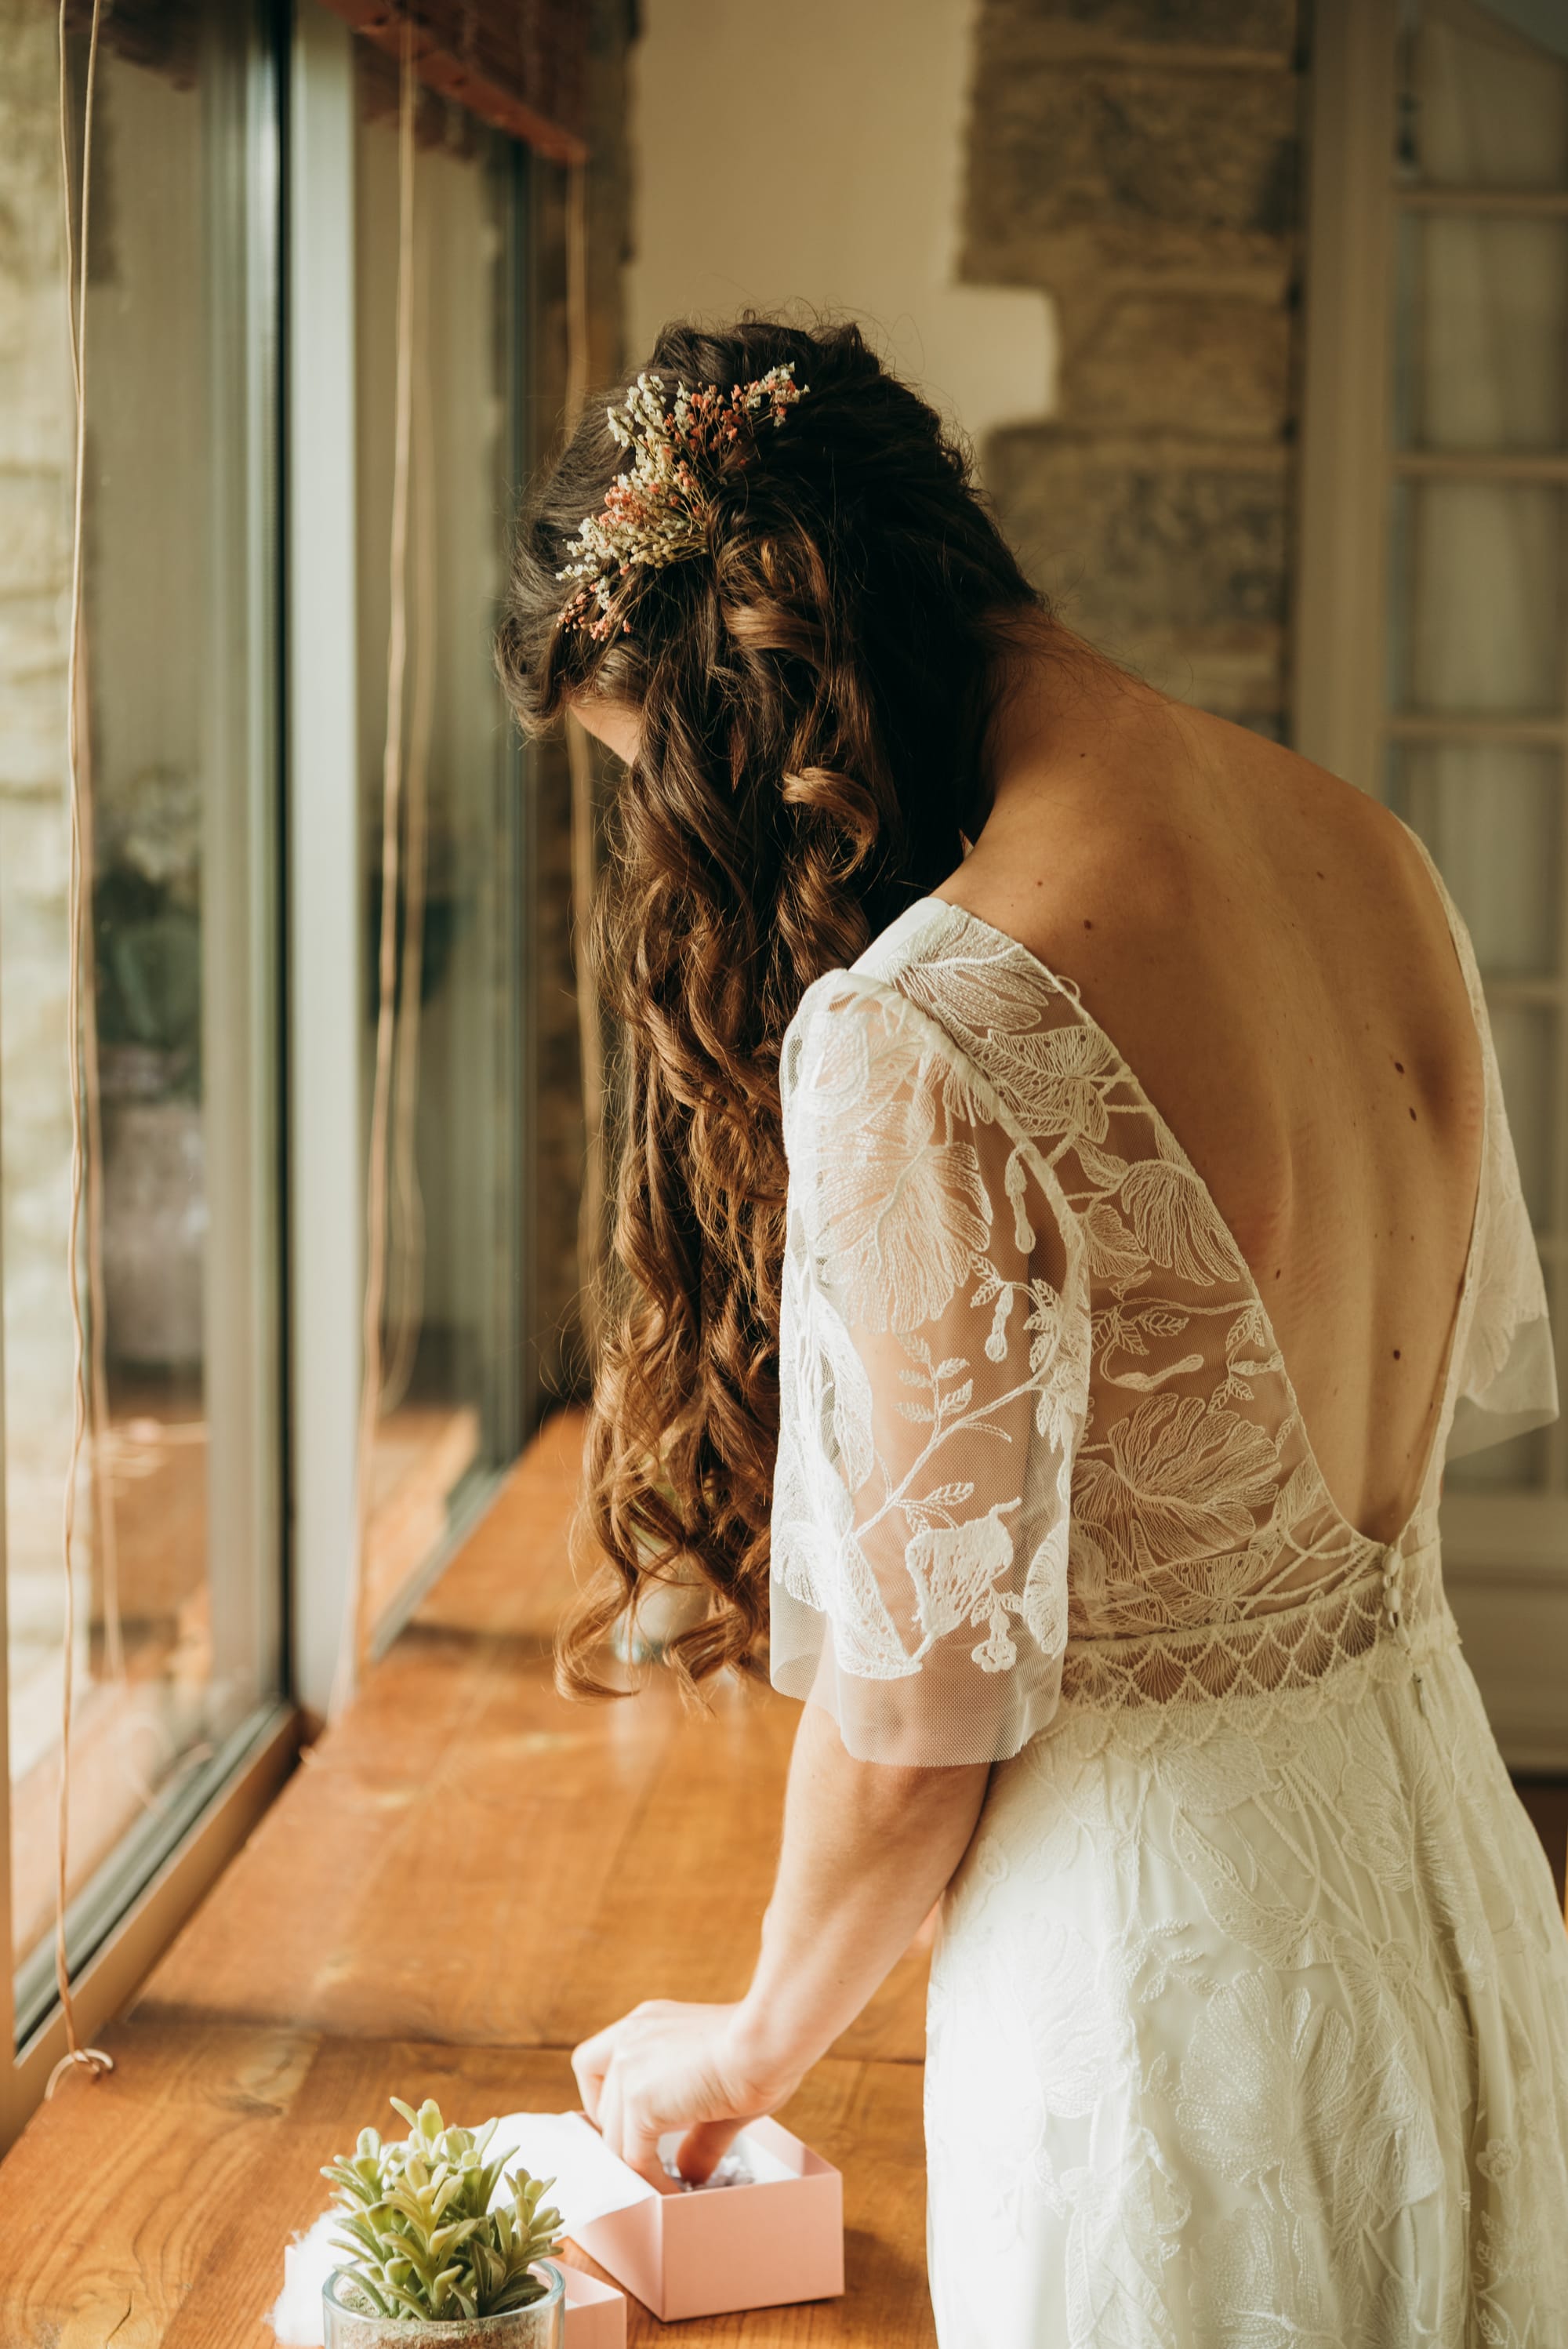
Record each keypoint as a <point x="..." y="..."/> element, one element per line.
<point x="1213" y="23"/>
<point x="32" y="648"/>
<point x="34" y="544"/>
<point x="32" y="765"/>
<point x="1237" y="673"/>
<point x="1181" y="363"/>
<point x="1171" y="558"/>
<point x="1074" y="169"/>
<point x="34" y="859"/>
<point x="30" y="233"/>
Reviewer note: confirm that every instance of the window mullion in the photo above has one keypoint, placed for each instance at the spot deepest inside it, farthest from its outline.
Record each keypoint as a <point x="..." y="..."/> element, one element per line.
<point x="326" y="960"/>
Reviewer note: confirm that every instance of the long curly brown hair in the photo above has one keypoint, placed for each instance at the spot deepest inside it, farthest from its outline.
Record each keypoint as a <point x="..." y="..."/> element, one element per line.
<point x="814" y="690"/>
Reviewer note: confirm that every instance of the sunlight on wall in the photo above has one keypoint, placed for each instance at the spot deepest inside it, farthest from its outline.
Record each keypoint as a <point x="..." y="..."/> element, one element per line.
<point x="815" y="154"/>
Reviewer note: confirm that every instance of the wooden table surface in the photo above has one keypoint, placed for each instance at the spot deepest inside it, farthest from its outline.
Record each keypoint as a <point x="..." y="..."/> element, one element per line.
<point x="465" y="1876"/>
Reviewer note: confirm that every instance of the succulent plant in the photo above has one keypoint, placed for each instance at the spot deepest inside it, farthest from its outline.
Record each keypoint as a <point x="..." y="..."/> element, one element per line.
<point x="420" y="2237"/>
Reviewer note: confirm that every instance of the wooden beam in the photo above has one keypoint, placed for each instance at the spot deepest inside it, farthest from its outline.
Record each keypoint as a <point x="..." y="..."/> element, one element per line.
<point x="508" y="104"/>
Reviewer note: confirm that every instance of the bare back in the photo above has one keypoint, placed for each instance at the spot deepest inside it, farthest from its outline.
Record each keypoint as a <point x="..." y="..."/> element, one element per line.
<point x="1267" y="951"/>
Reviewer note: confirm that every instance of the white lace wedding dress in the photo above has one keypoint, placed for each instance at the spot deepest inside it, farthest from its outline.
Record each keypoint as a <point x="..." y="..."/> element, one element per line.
<point x="1249" y="2017"/>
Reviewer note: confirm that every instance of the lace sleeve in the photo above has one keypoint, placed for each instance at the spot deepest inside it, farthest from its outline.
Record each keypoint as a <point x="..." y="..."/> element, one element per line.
<point x="1507" y="1383"/>
<point x="1506" y="1378"/>
<point x="934" y="1351"/>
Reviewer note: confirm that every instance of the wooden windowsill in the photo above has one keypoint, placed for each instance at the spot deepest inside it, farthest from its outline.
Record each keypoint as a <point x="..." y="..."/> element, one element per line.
<point x="466" y="1877"/>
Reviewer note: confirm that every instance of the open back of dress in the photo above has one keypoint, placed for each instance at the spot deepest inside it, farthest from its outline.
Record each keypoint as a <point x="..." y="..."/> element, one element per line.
<point x="1252" y="2006"/>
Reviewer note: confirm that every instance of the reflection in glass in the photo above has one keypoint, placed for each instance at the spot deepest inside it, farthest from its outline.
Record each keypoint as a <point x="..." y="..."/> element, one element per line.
<point x="450" y="1398"/>
<point x="176" y="1558"/>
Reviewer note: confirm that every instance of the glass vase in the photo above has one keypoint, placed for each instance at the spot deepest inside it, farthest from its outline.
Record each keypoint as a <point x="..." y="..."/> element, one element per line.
<point x="540" y="2326"/>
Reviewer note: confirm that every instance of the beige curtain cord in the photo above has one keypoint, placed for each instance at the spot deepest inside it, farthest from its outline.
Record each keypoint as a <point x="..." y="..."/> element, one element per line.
<point x="92" y="2060"/>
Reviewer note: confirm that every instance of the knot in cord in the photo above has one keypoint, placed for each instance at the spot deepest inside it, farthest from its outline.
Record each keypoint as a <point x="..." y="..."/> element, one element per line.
<point x="90" y="2060"/>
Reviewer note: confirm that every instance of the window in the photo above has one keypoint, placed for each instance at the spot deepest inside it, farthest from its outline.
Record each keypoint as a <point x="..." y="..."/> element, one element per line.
<point x="177" y="1658"/>
<point x="449" y="1403"/>
<point x="1477" y="605"/>
<point x="233" y="705"/>
<point x="1433" y="623"/>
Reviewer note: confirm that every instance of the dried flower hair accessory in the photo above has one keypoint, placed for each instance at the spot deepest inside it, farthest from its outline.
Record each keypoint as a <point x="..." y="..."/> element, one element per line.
<point x="652" y="514"/>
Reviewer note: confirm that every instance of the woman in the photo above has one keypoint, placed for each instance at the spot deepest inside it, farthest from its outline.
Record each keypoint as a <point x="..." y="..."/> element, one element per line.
<point x="1065" y="1265"/>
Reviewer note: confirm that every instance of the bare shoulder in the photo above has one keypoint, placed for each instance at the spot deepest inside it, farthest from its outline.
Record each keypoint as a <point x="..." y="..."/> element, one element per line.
<point x="1183" y="836"/>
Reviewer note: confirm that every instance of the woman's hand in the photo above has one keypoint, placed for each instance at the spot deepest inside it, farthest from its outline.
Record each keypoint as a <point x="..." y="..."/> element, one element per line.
<point x="867" y="1848"/>
<point x="671" y="2066"/>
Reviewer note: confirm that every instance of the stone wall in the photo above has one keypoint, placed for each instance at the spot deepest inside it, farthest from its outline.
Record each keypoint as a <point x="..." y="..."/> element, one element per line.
<point x="1139" y="159"/>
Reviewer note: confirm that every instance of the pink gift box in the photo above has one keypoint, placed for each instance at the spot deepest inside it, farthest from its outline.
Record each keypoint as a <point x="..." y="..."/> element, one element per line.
<point x="595" y="2312"/>
<point x="744" y="2246"/>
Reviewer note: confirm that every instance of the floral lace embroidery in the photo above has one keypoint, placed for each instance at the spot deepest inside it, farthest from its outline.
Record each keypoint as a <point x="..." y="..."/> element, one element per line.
<point x="1036" y="1424"/>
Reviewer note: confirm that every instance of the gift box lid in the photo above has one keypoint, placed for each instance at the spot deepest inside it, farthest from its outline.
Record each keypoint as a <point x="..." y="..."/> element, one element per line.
<point x="595" y="2311"/>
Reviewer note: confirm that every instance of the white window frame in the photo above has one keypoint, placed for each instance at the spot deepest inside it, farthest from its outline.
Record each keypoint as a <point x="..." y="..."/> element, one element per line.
<point x="328" y="955"/>
<point x="241" y="1303"/>
<point x="325" y="956"/>
<point x="1505" y="1555"/>
<point x="284" y="1363"/>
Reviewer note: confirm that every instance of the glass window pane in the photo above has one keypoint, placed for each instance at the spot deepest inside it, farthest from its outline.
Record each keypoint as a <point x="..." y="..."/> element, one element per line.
<point x="449" y="1399"/>
<point x="1476" y="616"/>
<point x="1491" y="814"/>
<point x="1482" y="333"/>
<point x="1491" y="108"/>
<point x="1476" y="603"/>
<point x="175" y="1566"/>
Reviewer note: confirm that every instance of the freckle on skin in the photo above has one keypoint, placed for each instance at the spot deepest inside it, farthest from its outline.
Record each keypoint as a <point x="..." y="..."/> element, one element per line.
<point x="1396" y="1353"/>
<point x="1413" y="1118"/>
<point x="1088" y="925"/>
<point x="1400" y="1066"/>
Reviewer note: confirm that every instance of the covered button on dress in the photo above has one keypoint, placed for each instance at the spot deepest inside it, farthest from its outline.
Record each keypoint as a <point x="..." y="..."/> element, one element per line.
<point x="1248" y="2022"/>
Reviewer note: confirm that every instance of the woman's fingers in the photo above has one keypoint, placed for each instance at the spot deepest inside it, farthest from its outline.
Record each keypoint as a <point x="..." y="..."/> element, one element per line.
<point x="704" y="2147"/>
<point x="610" y="2113"/>
<point x="628" y="2125"/>
<point x="659" y="2070"/>
<point x="590" y="2062"/>
<point x="640" y="2151"/>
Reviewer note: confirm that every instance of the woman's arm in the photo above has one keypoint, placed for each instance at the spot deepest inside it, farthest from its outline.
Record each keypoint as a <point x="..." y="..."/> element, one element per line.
<point x="867" y="1848"/>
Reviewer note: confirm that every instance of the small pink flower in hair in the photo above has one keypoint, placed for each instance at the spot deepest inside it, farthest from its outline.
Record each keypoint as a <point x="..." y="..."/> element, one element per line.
<point x="656" y="514"/>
